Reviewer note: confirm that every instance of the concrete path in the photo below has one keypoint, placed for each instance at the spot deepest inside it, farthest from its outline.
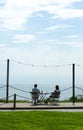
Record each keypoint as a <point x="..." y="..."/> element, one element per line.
<point x="29" y="106"/>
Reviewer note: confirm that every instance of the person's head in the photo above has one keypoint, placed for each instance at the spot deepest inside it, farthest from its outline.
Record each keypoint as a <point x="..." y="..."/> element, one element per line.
<point x="35" y="85"/>
<point x="57" y="87"/>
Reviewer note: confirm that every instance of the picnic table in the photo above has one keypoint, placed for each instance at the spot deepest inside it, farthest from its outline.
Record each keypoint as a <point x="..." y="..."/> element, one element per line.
<point x="43" y="96"/>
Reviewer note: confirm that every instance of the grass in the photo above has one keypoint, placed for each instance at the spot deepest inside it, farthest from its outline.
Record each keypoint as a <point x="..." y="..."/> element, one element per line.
<point x="41" y="120"/>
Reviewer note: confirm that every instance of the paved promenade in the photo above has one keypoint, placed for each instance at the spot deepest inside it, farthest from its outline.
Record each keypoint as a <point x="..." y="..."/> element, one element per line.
<point x="41" y="106"/>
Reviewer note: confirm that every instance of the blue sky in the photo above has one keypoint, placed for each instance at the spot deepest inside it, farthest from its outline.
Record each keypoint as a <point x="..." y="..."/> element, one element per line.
<point x="41" y="32"/>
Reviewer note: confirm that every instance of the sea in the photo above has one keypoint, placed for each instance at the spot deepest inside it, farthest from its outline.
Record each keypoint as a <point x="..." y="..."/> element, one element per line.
<point x="23" y="91"/>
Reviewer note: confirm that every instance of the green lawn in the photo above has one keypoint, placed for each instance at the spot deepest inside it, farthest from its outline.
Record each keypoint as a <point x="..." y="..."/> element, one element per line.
<point x="41" y="120"/>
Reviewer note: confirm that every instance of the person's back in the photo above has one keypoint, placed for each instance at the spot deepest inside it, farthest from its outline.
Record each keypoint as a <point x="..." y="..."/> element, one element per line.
<point x="35" y="93"/>
<point x="56" y="93"/>
<point x="35" y="89"/>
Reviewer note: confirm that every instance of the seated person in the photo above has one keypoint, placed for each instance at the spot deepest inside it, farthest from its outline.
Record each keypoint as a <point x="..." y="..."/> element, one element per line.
<point x="54" y="94"/>
<point x="35" y="94"/>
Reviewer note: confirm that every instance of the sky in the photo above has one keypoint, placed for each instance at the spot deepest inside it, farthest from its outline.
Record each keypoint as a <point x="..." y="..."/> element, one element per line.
<point x="40" y="32"/>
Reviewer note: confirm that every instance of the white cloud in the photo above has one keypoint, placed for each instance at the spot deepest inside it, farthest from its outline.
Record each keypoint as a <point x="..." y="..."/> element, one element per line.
<point x="72" y="36"/>
<point x="58" y="26"/>
<point x="71" y="43"/>
<point x="41" y="33"/>
<point x="53" y="27"/>
<point x="2" y="45"/>
<point x="63" y="11"/>
<point x="2" y="1"/>
<point x="53" y="43"/>
<point x="16" y="13"/>
<point x="23" y="38"/>
<point x="68" y="13"/>
<point x="39" y="15"/>
<point x="77" y="44"/>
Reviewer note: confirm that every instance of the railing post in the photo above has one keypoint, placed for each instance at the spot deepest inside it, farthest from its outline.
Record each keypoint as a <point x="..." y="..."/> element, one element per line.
<point x="7" y="82"/>
<point x="14" y="105"/>
<point x="73" y="83"/>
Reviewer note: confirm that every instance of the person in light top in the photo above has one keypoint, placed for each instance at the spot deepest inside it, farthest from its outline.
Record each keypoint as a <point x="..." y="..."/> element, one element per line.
<point x="35" y="94"/>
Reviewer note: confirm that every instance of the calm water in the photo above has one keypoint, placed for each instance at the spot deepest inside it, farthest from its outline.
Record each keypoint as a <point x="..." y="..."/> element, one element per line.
<point x="17" y="88"/>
